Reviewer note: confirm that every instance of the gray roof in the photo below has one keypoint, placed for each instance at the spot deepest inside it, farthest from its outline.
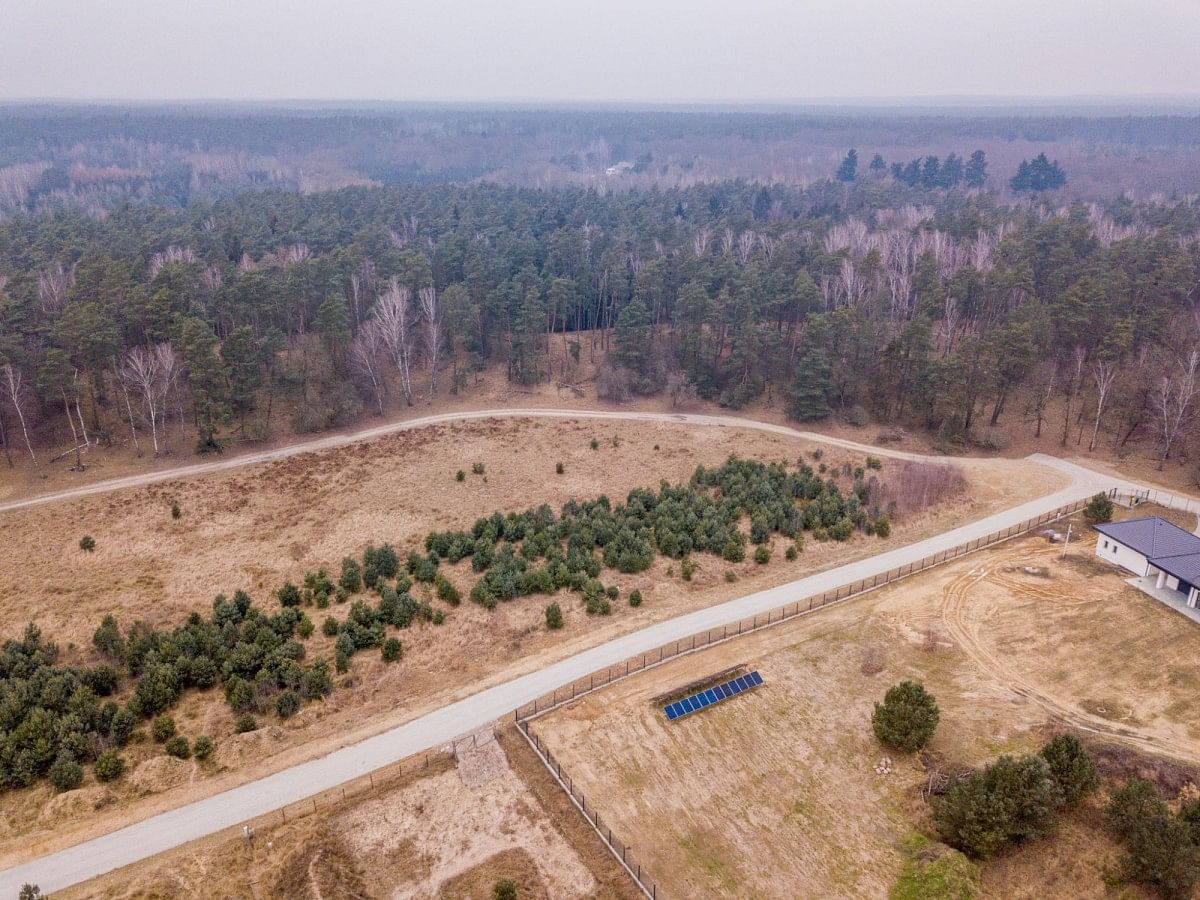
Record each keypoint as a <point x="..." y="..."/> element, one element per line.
<point x="1185" y="568"/>
<point x="1166" y="546"/>
<point x="1152" y="537"/>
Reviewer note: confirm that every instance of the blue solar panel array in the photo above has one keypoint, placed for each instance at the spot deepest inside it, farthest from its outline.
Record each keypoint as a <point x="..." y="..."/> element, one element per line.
<point x="705" y="699"/>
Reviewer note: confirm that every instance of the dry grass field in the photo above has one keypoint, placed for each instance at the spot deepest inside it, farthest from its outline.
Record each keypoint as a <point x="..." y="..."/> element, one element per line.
<point x="257" y="527"/>
<point x="775" y="793"/>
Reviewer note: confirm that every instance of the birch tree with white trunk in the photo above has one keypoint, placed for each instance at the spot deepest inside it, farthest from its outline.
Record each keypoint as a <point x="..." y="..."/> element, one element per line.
<point x="366" y="357"/>
<point x="1104" y="372"/>
<point x="432" y="318"/>
<point x="394" y="315"/>
<point x="151" y="372"/>
<point x="1173" y="400"/>
<point x="17" y="393"/>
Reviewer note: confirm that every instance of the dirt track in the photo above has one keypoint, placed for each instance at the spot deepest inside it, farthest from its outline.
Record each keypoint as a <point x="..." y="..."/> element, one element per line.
<point x="340" y="440"/>
<point x="966" y="614"/>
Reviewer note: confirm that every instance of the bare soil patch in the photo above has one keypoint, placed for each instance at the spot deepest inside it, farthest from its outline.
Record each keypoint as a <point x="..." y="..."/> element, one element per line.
<point x="425" y="835"/>
<point x="776" y="793"/>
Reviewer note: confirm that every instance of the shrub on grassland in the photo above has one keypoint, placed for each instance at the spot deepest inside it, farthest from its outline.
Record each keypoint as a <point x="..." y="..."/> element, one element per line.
<point x="907" y="717"/>
<point x="1011" y="800"/>
<point x="108" y="766"/>
<point x="178" y="747"/>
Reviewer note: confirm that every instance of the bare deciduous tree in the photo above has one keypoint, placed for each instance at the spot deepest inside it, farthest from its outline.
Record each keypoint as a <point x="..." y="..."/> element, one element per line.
<point x="17" y="393"/>
<point x="128" y="407"/>
<point x="431" y="313"/>
<point x="1104" y="372"/>
<point x="153" y="372"/>
<point x="171" y="256"/>
<point x="395" y="321"/>
<point x="1173" y="399"/>
<point x="366" y="352"/>
<point x="53" y="286"/>
<point x="1074" y="381"/>
<point x="170" y="367"/>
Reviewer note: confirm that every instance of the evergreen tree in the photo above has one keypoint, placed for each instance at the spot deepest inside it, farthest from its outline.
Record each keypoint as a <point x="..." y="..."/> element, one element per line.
<point x="975" y="171"/>
<point x="1040" y="174"/>
<point x="206" y="374"/>
<point x="811" y="385"/>
<point x="877" y="164"/>
<point x="633" y="336"/>
<point x="243" y="361"/>
<point x="762" y="204"/>
<point x="849" y="167"/>
<point x="1011" y="800"/>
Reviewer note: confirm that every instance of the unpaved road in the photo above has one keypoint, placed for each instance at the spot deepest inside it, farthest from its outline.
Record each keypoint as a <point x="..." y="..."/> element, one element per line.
<point x="195" y="820"/>
<point x="341" y="440"/>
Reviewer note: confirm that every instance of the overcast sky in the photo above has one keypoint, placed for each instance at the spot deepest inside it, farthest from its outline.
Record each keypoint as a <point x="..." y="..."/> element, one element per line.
<point x="598" y="50"/>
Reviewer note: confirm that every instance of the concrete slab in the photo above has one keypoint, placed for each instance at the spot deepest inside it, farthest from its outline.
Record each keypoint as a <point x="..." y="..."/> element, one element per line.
<point x="1165" y="596"/>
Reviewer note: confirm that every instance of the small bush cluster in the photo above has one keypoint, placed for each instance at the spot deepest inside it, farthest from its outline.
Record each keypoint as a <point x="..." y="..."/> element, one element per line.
<point x="1014" y="799"/>
<point x="109" y="766"/>
<point x="178" y="747"/>
<point x="54" y="718"/>
<point x="1162" y="850"/>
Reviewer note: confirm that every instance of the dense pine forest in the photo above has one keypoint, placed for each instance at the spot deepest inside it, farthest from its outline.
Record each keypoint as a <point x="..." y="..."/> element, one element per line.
<point x="933" y="292"/>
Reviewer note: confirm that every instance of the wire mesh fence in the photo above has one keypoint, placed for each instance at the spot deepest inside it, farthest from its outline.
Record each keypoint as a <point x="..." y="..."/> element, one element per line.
<point x="588" y="683"/>
<point x="1162" y="498"/>
<point x="622" y="851"/>
<point x="377" y="780"/>
<point x="597" y="680"/>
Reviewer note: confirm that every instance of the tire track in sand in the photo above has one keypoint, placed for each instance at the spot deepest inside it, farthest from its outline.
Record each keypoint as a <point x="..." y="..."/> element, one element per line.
<point x="965" y="615"/>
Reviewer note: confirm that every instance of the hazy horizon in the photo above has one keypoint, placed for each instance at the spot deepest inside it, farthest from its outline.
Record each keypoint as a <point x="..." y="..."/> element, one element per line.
<point x="765" y="52"/>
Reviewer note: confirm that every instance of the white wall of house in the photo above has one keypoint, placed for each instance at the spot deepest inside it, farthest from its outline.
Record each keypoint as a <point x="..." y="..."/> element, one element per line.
<point x="1115" y="552"/>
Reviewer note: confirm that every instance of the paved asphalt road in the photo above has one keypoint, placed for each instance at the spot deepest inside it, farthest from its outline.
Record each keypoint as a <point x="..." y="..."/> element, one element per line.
<point x="195" y="820"/>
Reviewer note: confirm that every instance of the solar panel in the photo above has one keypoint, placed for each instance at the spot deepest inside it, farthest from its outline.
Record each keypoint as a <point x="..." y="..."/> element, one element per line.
<point x="710" y="696"/>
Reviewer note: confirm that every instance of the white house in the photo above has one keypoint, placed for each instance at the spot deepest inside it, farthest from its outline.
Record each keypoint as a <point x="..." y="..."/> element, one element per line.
<point x="1154" y="547"/>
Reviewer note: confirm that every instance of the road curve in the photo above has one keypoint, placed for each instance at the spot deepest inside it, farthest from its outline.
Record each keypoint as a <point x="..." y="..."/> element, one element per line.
<point x="341" y="440"/>
<point x="175" y="827"/>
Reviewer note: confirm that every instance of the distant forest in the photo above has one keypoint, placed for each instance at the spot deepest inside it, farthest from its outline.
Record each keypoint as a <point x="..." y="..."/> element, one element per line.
<point x="96" y="156"/>
<point x="957" y="304"/>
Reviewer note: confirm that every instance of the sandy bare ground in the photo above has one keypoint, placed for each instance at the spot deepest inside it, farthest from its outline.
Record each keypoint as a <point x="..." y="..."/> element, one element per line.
<point x="429" y="836"/>
<point x="255" y="528"/>
<point x="332" y="441"/>
<point x="775" y="794"/>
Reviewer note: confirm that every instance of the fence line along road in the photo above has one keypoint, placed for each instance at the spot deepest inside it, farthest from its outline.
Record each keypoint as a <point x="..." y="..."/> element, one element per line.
<point x="178" y="826"/>
<point x="596" y="681"/>
<point x="698" y="641"/>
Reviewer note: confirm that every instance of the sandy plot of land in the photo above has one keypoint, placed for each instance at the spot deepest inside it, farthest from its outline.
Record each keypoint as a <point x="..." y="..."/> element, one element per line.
<point x="255" y="528"/>
<point x="775" y="793"/>
<point x="451" y="826"/>
<point x="428" y="836"/>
